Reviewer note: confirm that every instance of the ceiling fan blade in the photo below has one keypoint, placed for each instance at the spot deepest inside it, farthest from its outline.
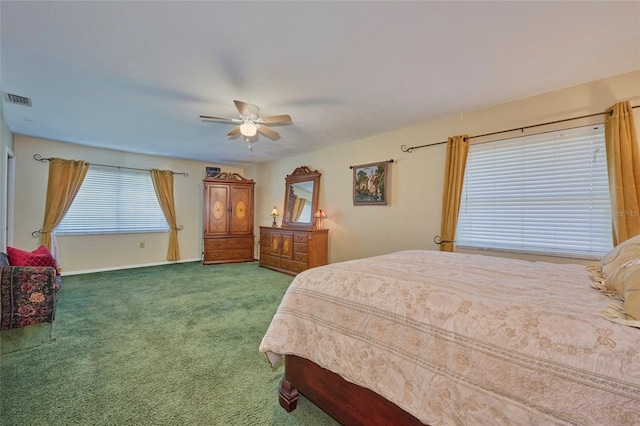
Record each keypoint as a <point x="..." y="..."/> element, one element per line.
<point x="248" y="110"/>
<point x="234" y="131"/>
<point x="268" y="132"/>
<point x="284" y="118"/>
<point x="210" y="117"/>
<point x="243" y="108"/>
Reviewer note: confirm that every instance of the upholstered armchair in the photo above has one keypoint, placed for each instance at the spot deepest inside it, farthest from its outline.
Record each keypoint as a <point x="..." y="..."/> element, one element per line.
<point x="27" y="294"/>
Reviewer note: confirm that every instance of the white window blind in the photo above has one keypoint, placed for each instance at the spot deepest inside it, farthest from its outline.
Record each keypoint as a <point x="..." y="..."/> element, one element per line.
<point x="545" y="194"/>
<point x="114" y="201"/>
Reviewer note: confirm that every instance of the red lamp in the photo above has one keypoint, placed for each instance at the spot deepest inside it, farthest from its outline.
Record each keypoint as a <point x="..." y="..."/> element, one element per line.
<point x="320" y="215"/>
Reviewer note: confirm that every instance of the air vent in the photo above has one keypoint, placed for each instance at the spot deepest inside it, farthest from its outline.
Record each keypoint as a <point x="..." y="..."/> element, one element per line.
<point x="18" y="100"/>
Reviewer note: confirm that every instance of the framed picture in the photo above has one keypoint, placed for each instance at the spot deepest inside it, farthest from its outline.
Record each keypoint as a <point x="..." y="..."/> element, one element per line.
<point x="370" y="184"/>
<point x="212" y="171"/>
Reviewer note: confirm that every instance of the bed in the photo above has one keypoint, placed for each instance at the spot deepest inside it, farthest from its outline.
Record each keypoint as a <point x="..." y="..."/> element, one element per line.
<point x="427" y="337"/>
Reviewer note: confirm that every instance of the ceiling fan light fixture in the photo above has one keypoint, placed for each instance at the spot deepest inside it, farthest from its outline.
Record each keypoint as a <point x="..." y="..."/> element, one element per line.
<point x="248" y="129"/>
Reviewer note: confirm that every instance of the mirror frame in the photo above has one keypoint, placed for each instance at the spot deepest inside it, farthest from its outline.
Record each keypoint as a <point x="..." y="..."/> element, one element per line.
<point x="299" y="175"/>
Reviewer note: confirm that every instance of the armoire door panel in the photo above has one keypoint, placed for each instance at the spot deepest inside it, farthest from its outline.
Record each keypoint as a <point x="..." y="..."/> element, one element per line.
<point x="216" y="211"/>
<point x="241" y="201"/>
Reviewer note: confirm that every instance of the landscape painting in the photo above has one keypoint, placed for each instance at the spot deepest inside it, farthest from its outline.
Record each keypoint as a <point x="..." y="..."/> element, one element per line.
<point x="370" y="184"/>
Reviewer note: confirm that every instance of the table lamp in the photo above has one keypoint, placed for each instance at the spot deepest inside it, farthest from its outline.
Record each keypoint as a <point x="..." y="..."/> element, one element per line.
<point x="320" y="215"/>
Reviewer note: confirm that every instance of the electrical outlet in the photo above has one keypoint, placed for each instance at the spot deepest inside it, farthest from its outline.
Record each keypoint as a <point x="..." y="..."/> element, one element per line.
<point x="142" y="244"/>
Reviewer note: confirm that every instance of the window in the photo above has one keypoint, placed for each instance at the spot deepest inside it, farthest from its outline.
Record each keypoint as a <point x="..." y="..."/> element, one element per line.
<point x="543" y="194"/>
<point x="114" y="201"/>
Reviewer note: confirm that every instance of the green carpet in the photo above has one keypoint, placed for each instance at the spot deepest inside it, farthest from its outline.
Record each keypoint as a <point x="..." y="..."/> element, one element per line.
<point x="164" y="345"/>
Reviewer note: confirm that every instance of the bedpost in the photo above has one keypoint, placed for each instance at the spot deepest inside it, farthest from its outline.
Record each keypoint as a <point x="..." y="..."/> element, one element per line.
<point x="288" y="395"/>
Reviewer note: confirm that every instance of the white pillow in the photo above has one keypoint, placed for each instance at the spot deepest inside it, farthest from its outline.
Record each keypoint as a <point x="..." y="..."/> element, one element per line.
<point x="620" y="254"/>
<point x="626" y="282"/>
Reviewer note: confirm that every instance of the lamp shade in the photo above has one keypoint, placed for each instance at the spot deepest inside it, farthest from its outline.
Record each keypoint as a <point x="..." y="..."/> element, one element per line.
<point x="248" y="129"/>
<point x="274" y="212"/>
<point x="319" y="215"/>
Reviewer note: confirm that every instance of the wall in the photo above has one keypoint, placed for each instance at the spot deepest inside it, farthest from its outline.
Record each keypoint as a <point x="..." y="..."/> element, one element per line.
<point x="412" y="217"/>
<point x="6" y="144"/>
<point x="409" y="221"/>
<point x="112" y="251"/>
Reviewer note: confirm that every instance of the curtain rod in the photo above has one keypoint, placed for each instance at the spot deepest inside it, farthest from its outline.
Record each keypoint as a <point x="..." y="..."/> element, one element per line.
<point x="388" y="161"/>
<point x="404" y="148"/>
<point x="38" y="157"/>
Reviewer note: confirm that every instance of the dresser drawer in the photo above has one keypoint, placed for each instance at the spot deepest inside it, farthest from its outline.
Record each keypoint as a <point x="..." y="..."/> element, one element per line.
<point x="269" y="261"/>
<point x="300" y="248"/>
<point x="300" y="237"/>
<point x="228" y="243"/>
<point x="234" y="254"/>
<point x="301" y="257"/>
<point x="264" y="241"/>
<point x="293" y="266"/>
<point x="264" y="249"/>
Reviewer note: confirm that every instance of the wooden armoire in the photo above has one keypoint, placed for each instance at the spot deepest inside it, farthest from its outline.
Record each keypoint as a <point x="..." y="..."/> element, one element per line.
<point x="228" y="219"/>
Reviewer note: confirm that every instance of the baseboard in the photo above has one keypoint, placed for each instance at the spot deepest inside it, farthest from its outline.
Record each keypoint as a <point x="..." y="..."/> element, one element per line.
<point x="117" y="268"/>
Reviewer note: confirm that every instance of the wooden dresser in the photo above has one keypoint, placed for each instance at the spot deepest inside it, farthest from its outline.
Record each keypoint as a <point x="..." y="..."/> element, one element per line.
<point x="292" y="250"/>
<point x="228" y="219"/>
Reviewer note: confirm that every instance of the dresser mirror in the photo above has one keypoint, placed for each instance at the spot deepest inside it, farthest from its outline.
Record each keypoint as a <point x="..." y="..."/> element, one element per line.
<point x="301" y="197"/>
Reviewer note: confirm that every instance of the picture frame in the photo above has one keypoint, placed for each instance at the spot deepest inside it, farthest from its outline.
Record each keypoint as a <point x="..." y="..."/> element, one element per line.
<point x="370" y="184"/>
<point x="212" y="171"/>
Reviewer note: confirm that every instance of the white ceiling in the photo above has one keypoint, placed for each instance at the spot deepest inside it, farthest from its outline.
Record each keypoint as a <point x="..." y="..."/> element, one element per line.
<point x="135" y="76"/>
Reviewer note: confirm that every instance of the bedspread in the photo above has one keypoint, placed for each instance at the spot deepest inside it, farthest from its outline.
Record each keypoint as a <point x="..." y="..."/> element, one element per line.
<point x="465" y="339"/>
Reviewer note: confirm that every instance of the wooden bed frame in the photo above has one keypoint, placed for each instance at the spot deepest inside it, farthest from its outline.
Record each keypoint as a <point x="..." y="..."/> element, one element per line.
<point x="346" y="402"/>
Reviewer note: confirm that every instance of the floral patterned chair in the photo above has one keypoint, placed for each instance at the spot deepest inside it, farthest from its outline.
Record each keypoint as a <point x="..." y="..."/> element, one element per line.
<point x="27" y="294"/>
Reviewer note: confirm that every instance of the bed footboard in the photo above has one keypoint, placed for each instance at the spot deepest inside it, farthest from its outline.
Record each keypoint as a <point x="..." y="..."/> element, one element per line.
<point x="346" y="402"/>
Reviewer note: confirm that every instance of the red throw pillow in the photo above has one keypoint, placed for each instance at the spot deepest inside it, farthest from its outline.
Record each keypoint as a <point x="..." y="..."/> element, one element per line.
<point x="39" y="257"/>
<point x="45" y="252"/>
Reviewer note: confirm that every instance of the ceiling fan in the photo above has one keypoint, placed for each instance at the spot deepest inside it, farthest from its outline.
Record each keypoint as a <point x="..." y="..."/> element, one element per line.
<point x="250" y="122"/>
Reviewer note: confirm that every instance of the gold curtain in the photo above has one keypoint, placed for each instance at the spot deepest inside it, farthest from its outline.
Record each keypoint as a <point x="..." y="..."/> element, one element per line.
<point x="65" y="179"/>
<point x="457" y="149"/>
<point x="163" y="184"/>
<point x="623" y="166"/>
<point x="298" y="206"/>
